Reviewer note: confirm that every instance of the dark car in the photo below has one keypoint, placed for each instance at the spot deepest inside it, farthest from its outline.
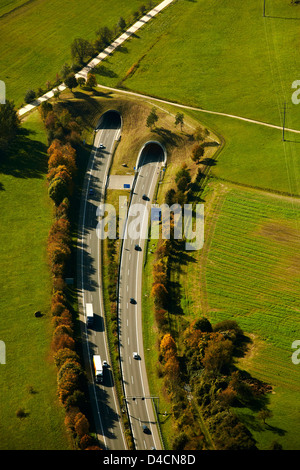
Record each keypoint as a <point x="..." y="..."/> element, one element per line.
<point x="132" y="300"/>
<point x="91" y="191"/>
<point x="145" y="197"/>
<point x="146" y="430"/>
<point x="137" y="248"/>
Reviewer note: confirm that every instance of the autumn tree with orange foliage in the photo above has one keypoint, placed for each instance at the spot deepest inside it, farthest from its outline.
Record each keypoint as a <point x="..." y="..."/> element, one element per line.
<point x="168" y="346"/>
<point x="62" y="154"/>
<point x="159" y="294"/>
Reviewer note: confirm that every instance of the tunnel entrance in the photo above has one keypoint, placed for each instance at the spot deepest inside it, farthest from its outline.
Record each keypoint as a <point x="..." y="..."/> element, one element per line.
<point x="151" y="152"/>
<point x="111" y="119"/>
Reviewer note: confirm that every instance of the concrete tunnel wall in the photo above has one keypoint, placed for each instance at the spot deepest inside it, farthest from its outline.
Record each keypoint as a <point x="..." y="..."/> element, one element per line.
<point x="143" y="148"/>
<point x="110" y="111"/>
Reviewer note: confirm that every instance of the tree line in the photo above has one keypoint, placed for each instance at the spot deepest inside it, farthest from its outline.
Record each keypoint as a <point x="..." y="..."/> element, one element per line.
<point x="82" y="51"/>
<point x="64" y="134"/>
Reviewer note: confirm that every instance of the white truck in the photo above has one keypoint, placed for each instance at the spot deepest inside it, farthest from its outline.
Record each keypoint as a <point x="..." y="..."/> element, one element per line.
<point x="89" y="314"/>
<point x="98" y="368"/>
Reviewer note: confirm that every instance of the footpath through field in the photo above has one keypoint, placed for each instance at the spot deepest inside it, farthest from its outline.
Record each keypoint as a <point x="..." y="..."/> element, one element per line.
<point x="193" y="108"/>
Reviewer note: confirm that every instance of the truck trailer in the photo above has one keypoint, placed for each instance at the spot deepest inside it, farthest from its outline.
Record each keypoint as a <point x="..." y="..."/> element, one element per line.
<point x="98" y="368"/>
<point x="89" y="314"/>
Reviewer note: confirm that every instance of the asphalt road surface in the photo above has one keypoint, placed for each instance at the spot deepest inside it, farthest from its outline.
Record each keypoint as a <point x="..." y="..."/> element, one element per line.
<point x="139" y="403"/>
<point x="103" y="396"/>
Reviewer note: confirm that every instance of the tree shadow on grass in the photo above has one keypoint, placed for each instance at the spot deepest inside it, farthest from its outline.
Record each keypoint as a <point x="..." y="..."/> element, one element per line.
<point x="25" y="157"/>
<point x="168" y="136"/>
<point x="208" y="161"/>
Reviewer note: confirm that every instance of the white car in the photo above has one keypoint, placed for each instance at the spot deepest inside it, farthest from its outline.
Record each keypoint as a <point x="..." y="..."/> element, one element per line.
<point x="135" y="355"/>
<point x="105" y="364"/>
<point x="101" y="146"/>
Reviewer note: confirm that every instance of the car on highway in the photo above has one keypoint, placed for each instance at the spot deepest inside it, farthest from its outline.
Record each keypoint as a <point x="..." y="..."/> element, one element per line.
<point x="146" y="430"/>
<point x="91" y="192"/>
<point x="145" y="197"/>
<point x="101" y="146"/>
<point x="104" y="363"/>
<point x="138" y="248"/>
<point x="135" y="355"/>
<point x="132" y="300"/>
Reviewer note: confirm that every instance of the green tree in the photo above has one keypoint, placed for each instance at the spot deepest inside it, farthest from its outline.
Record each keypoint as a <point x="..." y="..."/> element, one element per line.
<point x="183" y="178"/>
<point x="91" y="81"/>
<point x="197" y="153"/>
<point x="65" y="70"/>
<point x="71" y="81"/>
<point x="81" y="50"/>
<point x="81" y="81"/>
<point x="203" y="324"/>
<point x="264" y="414"/>
<point x="9" y="123"/>
<point x="58" y="190"/>
<point x="122" y="24"/>
<point x="200" y="133"/>
<point x="29" y="96"/>
<point x="170" y="197"/>
<point x="152" y="118"/>
<point x="104" y="38"/>
<point x="179" y="119"/>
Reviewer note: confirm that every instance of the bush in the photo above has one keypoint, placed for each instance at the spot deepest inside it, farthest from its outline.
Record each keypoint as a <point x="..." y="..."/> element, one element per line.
<point x="63" y="341"/>
<point x="203" y="324"/>
<point x="81" y="425"/>
<point x="64" y="355"/>
<point x="29" y="96"/>
<point x="21" y="413"/>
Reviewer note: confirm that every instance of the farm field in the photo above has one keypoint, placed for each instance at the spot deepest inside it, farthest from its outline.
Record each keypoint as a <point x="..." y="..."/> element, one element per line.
<point x="248" y="270"/>
<point x="254" y="155"/>
<point x="35" y="38"/>
<point x="28" y="379"/>
<point x="206" y="54"/>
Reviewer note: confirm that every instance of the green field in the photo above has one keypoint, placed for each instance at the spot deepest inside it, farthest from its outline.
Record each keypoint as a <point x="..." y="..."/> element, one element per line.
<point x="255" y="155"/>
<point x="35" y="39"/>
<point x="28" y="379"/>
<point x="235" y="62"/>
<point x="249" y="270"/>
<point x="218" y="55"/>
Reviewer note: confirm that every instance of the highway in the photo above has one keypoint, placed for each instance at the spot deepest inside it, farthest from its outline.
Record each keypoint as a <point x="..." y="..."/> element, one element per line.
<point x="103" y="396"/>
<point x="139" y="402"/>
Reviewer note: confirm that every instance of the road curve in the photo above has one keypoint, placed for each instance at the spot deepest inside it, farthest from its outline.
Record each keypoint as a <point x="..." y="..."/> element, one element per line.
<point x="103" y="397"/>
<point x="136" y="390"/>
